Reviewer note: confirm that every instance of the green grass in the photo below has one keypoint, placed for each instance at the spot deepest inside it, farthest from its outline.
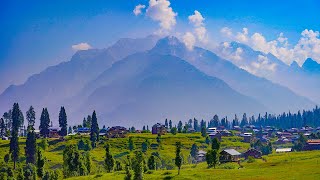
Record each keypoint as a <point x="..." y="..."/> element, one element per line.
<point x="296" y="165"/>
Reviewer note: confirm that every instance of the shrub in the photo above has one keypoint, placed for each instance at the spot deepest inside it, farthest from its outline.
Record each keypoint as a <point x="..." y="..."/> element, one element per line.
<point x="251" y="159"/>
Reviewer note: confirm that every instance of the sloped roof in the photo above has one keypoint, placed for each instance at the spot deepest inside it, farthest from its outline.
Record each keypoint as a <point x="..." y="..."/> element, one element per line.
<point x="232" y="152"/>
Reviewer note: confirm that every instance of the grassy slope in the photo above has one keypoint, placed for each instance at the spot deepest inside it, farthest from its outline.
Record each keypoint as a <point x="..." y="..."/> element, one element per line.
<point x="278" y="166"/>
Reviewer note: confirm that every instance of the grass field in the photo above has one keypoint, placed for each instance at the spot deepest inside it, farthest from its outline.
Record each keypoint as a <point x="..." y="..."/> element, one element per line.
<point x="295" y="165"/>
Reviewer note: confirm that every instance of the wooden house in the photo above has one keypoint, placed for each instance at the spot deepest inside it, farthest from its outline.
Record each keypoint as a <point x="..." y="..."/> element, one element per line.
<point x="229" y="155"/>
<point x="253" y="153"/>
<point x="159" y="129"/>
<point x="117" y="132"/>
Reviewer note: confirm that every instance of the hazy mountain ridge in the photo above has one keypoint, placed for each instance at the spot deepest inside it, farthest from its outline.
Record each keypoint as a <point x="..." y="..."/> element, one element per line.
<point x="54" y="86"/>
<point x="296" y="78"/>
<point x="274" y="96"/>
<point x="167" y="81"/>
<point x="150" y="87"/>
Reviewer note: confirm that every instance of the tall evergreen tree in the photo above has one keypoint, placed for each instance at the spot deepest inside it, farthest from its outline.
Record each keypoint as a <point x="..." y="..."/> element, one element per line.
<point x="94" y="127"/>
<point x="108" y="161"/>
<point x="166" y="123"/>
<point x="14" y="141"/>
<point x="2" y="128"/>
<point x="178" y="159"/>
<point x="170" y="124"/>
<point x="31" y="146"/>
<point x="40" y="163"/>
<point x="63" y="122"/>
<point x="31" y="117"/>
<point x="179" y="127"/>
<point x="44" y="123"/>
<point x="130" y="144"/>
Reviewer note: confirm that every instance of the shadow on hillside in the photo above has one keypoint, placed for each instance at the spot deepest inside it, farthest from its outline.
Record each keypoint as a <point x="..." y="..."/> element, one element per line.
<point x="58" y="148"/>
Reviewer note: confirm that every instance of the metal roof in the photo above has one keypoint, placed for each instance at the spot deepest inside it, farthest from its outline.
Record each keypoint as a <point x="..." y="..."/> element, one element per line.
<point x="232" y="152"/>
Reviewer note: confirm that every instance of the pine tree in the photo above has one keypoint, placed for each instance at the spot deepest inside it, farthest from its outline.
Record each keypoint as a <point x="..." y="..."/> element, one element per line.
<point x="178" y="159"/>
<point x="145" y="146"/>
<point x="215" y="144"/>
<point x="2" y="128"/>
<point x="194" y="151"/>
<point x="130" y="144"/>
<point x="40" y="164"/>
<point x="63" y="122"/>
<point x="44" y="123"/>
<point x="166" y="123"/>
<point x="151" y="163"/>
<point x="31" y="146"/>
<point x="170" y="124"/>
<point x="179" y="127"/>
<point x="29" y="172"/>
<point x="137" y="165"/>
<point x="89" y="121"/>
<point x="108" y="161"/>
<point x="94" y="132"/>
<point x="31" y="117"/>
<point x="14" y="141"/>
<point x="203" y="132"/>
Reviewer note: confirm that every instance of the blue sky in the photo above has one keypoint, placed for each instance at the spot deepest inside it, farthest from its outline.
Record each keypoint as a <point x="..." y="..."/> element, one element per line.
<point x="37" y="34"/>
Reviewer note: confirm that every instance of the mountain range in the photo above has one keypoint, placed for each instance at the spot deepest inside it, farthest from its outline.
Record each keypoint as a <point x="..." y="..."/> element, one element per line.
<point x="304" y="80"/>
<point x="146" y="80"/>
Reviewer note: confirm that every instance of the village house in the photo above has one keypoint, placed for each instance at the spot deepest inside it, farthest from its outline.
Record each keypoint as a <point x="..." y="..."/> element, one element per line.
<point x="103" y="131"/>
<point x="283" y="141"/>
<point x="284" y="134"/>
<point x="312" y="144"/>
<point x="253" y="153"/>
<point x="201" y="156"/>
<point x="117" y="132"/>
<point x="83" y="130"/>
<point x="236" y="128"/>
<point x="225" y="133"/>
<point x="247" y="137"/>
<point x="283" y="150"/>
<point x="215" y="135"/>
<point x="159" y="129"/>
<point x="54" y="132"/>
<point x="211" y="130"/>
<point x="229" y="155"/>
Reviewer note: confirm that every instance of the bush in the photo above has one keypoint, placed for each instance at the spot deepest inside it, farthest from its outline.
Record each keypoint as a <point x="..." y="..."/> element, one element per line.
<point x="251" y="159"/>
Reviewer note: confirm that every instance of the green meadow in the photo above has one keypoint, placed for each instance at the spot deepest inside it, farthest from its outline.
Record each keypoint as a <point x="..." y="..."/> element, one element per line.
<point x="294" y="165"/>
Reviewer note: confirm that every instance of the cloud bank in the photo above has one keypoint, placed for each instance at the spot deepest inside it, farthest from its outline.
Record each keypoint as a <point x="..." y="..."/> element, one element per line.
<point x="307" y="46"/>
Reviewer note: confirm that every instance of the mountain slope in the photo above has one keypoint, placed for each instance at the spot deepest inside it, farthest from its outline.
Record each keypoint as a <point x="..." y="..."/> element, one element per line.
<point x="148" y="87"/>
<point x="297" y="79"/>
<point x="275" y="97"/>
<point x="54" y="86"/>
<point x="311" y="66"/>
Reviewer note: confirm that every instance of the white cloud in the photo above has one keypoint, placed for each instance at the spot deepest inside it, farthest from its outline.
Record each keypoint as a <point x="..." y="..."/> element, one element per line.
<point x="189" y="40"/>
<point x="242" y="36"/>
<point x="201" y="33"/>
<point x="160" y="11"/>
<point x="199" y="27"/>
<point x="226" y="32"/>
<point x="227" y="52"/>
<point x="81" y="46"/>
<point x="262" y="66"/>
<point x="307" y="46"/>
<point x="138" y="8"/>
<point x="196" y="19"/>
